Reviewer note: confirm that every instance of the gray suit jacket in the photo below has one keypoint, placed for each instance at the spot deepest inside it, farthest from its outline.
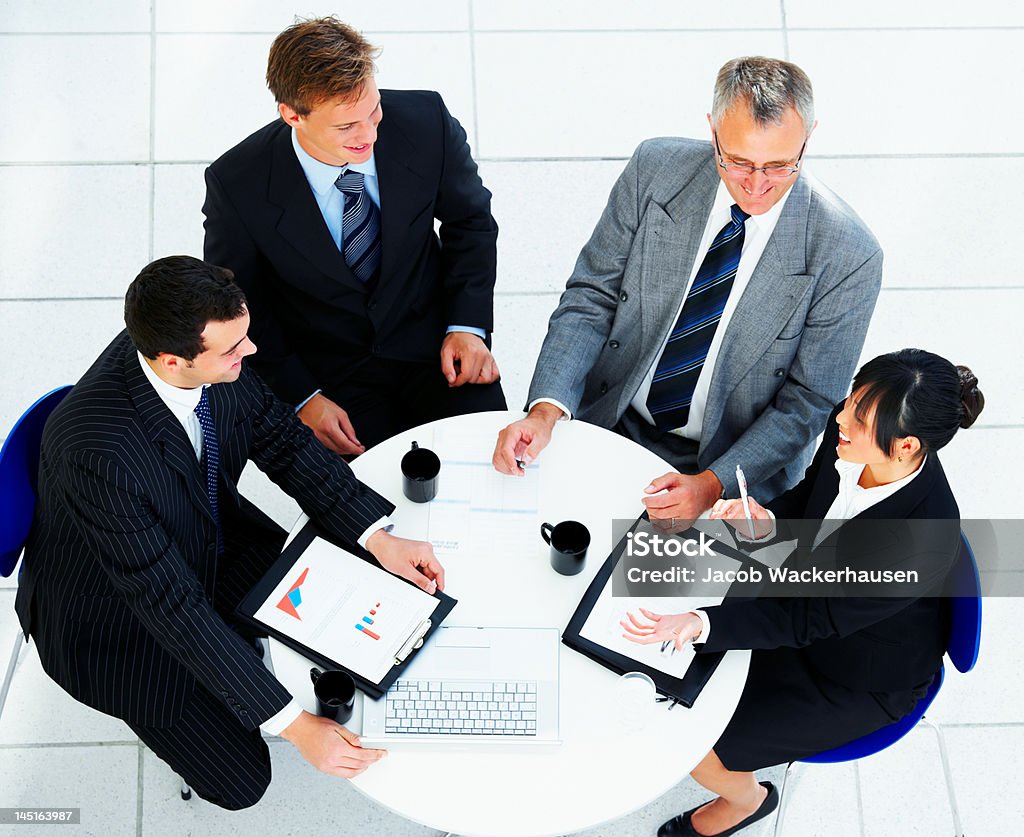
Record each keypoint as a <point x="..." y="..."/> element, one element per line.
<point x="791" y="345"/>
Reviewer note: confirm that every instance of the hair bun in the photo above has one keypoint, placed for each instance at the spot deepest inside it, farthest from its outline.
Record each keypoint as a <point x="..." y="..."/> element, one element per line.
<point x="972" y="400"/>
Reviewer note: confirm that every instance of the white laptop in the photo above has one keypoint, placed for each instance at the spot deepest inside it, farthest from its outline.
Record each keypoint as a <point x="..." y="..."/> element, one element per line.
<point x="472" y="686"/>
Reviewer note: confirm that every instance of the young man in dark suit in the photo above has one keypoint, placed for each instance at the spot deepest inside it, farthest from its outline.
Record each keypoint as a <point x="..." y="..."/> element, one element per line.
<point x="369" y="321"/>
<point x="142" y="547"/>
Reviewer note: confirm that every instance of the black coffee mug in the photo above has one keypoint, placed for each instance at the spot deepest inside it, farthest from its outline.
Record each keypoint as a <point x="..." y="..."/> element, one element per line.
<point x="420" y="469"/>
<point x="569" y="541"/>
<point x="335" y="694"/>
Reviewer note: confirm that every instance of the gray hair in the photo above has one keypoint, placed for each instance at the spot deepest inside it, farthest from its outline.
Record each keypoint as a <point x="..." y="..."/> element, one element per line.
<point x="768" y="85"/>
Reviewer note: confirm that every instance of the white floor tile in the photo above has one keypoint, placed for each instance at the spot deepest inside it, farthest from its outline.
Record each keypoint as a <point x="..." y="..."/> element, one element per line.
<point x="933" y="236"/>
<point x="102" y="781"/>
<point x="546" y="211"/>
<point x="275" y="16"/>
<point x="902" y="790"/>
<point x="520" y="323"/>
<point x="86" y="235"/>
<point x="984" y="779"/>
<point x="903" y="114"/>
<point x="822" y="801"/>
<point x="576" y="97"/>
<point x="978" y="328"/>
<point x="197" y="120"/>
<point x="38" y="711"/>
<point x="178" y="210"/>
<point x="909" y="13"/>
<point x="200" y="120"/>
<point x="607" y="14"/>
<point x="81" y="98"/>
<point x="979" y="464"/>
<point x="60" y="16"/>
<point x="257" y="487"/>
<point x="300" y="800"/>
<point x="33" y="366"/>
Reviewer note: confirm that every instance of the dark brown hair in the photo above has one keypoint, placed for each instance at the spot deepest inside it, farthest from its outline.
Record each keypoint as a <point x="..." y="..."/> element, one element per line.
<point x="170" y="302"/>
<point x="316" y="60"/>
<point x="917" y="393"/>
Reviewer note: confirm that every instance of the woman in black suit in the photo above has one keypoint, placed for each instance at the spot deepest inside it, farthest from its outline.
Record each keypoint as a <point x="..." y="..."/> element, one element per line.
<point x="829" y="668"/>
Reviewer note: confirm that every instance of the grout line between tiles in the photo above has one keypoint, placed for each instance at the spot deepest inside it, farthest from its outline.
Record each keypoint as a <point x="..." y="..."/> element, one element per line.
<point x="472" y="76"/>
<point x="785" y="30"/>
<point x="54" y="745"/>
<point x="859" y="797"/>
<point x="150" y="221"/>
<point x="139" y="785"/>
<point x="953" y="155"/>
<point x="639" y="30"/>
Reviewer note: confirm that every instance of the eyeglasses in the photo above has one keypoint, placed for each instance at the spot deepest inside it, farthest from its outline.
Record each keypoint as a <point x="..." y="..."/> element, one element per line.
<point x="739" y="170"/>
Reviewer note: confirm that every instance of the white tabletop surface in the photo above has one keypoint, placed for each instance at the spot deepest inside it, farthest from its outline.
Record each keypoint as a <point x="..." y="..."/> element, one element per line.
<point x="605" y="767"/>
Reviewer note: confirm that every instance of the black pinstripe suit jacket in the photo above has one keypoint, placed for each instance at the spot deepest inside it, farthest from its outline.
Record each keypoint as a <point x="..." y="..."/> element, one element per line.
<point x="121" y="566"/>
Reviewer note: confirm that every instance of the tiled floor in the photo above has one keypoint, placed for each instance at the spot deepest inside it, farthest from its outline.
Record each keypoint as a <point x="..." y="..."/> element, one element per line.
<point x="113" y="109"/>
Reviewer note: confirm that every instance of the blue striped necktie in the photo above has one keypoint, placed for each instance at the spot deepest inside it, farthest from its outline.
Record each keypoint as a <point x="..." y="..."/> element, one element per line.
<point x="675" y="377"/>
<point x="210" y="457"/>
<point x="360" y="226"/>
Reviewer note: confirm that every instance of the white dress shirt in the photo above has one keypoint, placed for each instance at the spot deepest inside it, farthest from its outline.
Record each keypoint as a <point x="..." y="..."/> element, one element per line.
<point x="850" y="501"/>
<point x="182" y="404"/>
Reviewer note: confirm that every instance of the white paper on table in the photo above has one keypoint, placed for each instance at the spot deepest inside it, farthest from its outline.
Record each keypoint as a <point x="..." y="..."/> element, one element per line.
<point x="329" y="592"/>
<point x="478" y="510"/>
<point x="602" y="627"/>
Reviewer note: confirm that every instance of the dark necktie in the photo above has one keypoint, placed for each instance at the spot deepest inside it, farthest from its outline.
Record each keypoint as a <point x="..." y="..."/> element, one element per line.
<point x="210" y="457"/>
<point x="360" y="226"/>
<point x="676" y="374"/>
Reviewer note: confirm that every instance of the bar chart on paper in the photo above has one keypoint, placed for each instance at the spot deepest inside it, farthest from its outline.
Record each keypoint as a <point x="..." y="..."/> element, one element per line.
<point x="346" y="609"/>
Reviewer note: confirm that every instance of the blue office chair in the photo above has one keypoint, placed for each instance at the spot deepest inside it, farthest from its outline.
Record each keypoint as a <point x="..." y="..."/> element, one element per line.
<point x="19" y="471"/>
<point x="964" y="590"/>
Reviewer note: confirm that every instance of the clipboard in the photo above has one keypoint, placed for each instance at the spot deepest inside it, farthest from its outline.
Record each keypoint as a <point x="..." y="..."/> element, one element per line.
<point x="685" y="689"/>
<point x="256" y="598"/>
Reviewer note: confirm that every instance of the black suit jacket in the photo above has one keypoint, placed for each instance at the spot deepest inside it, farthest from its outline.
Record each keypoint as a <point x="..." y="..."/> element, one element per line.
<point x="884" y="643"/>
<point x="311" y="317"/>
<point x="120" y="570"/>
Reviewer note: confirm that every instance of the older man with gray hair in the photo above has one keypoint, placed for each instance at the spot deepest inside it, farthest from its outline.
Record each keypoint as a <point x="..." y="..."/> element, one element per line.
<point x="719" y="308"/>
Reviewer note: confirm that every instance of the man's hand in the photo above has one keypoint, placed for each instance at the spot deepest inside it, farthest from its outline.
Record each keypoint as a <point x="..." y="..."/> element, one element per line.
<point x="523" y="440"/>
<point x="331" y="426"/>
<point x="465" y="359"/>
<point x="685" y="498"/>
<point x="329" y="746"/>
<point x="413" y="560"/>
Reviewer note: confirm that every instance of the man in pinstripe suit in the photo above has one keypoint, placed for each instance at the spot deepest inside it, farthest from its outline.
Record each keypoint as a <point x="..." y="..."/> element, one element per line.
<point x="136" y="562"/>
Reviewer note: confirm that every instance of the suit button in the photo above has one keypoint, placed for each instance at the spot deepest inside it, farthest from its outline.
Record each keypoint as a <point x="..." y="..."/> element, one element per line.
<point x="376" y="348"/>
<point x="613" y="344"/>
<point x="244" y="713"/>
<point x="603" y="388"/>
<point x="779" y="373"/>
<point x="223" y="694"/>
<point x="371" y="305"/>
<point x="623" y="296"/>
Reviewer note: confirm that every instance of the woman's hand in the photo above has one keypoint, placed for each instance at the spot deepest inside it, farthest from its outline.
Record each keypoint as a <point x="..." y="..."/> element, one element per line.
<point x="679" y="628"/>
<point x="732" y="511"/>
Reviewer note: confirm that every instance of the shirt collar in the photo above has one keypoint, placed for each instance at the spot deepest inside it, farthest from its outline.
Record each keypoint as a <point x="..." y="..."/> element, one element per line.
<point x="321" y="176"/>
<point x="181" y="402"/>
<point x="849" y="474"/>
<point x="765" y="221"/>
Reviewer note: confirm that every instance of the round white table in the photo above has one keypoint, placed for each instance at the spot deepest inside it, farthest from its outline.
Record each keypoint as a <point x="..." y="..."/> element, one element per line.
<point x="602" y="770"/>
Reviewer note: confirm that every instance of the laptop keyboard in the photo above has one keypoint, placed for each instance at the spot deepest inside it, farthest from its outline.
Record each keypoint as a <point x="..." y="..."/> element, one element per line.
<point x="462" y="707"/>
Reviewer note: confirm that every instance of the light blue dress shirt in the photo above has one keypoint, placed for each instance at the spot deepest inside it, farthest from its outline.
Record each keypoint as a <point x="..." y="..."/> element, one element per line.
<point x="321" y="178"/>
